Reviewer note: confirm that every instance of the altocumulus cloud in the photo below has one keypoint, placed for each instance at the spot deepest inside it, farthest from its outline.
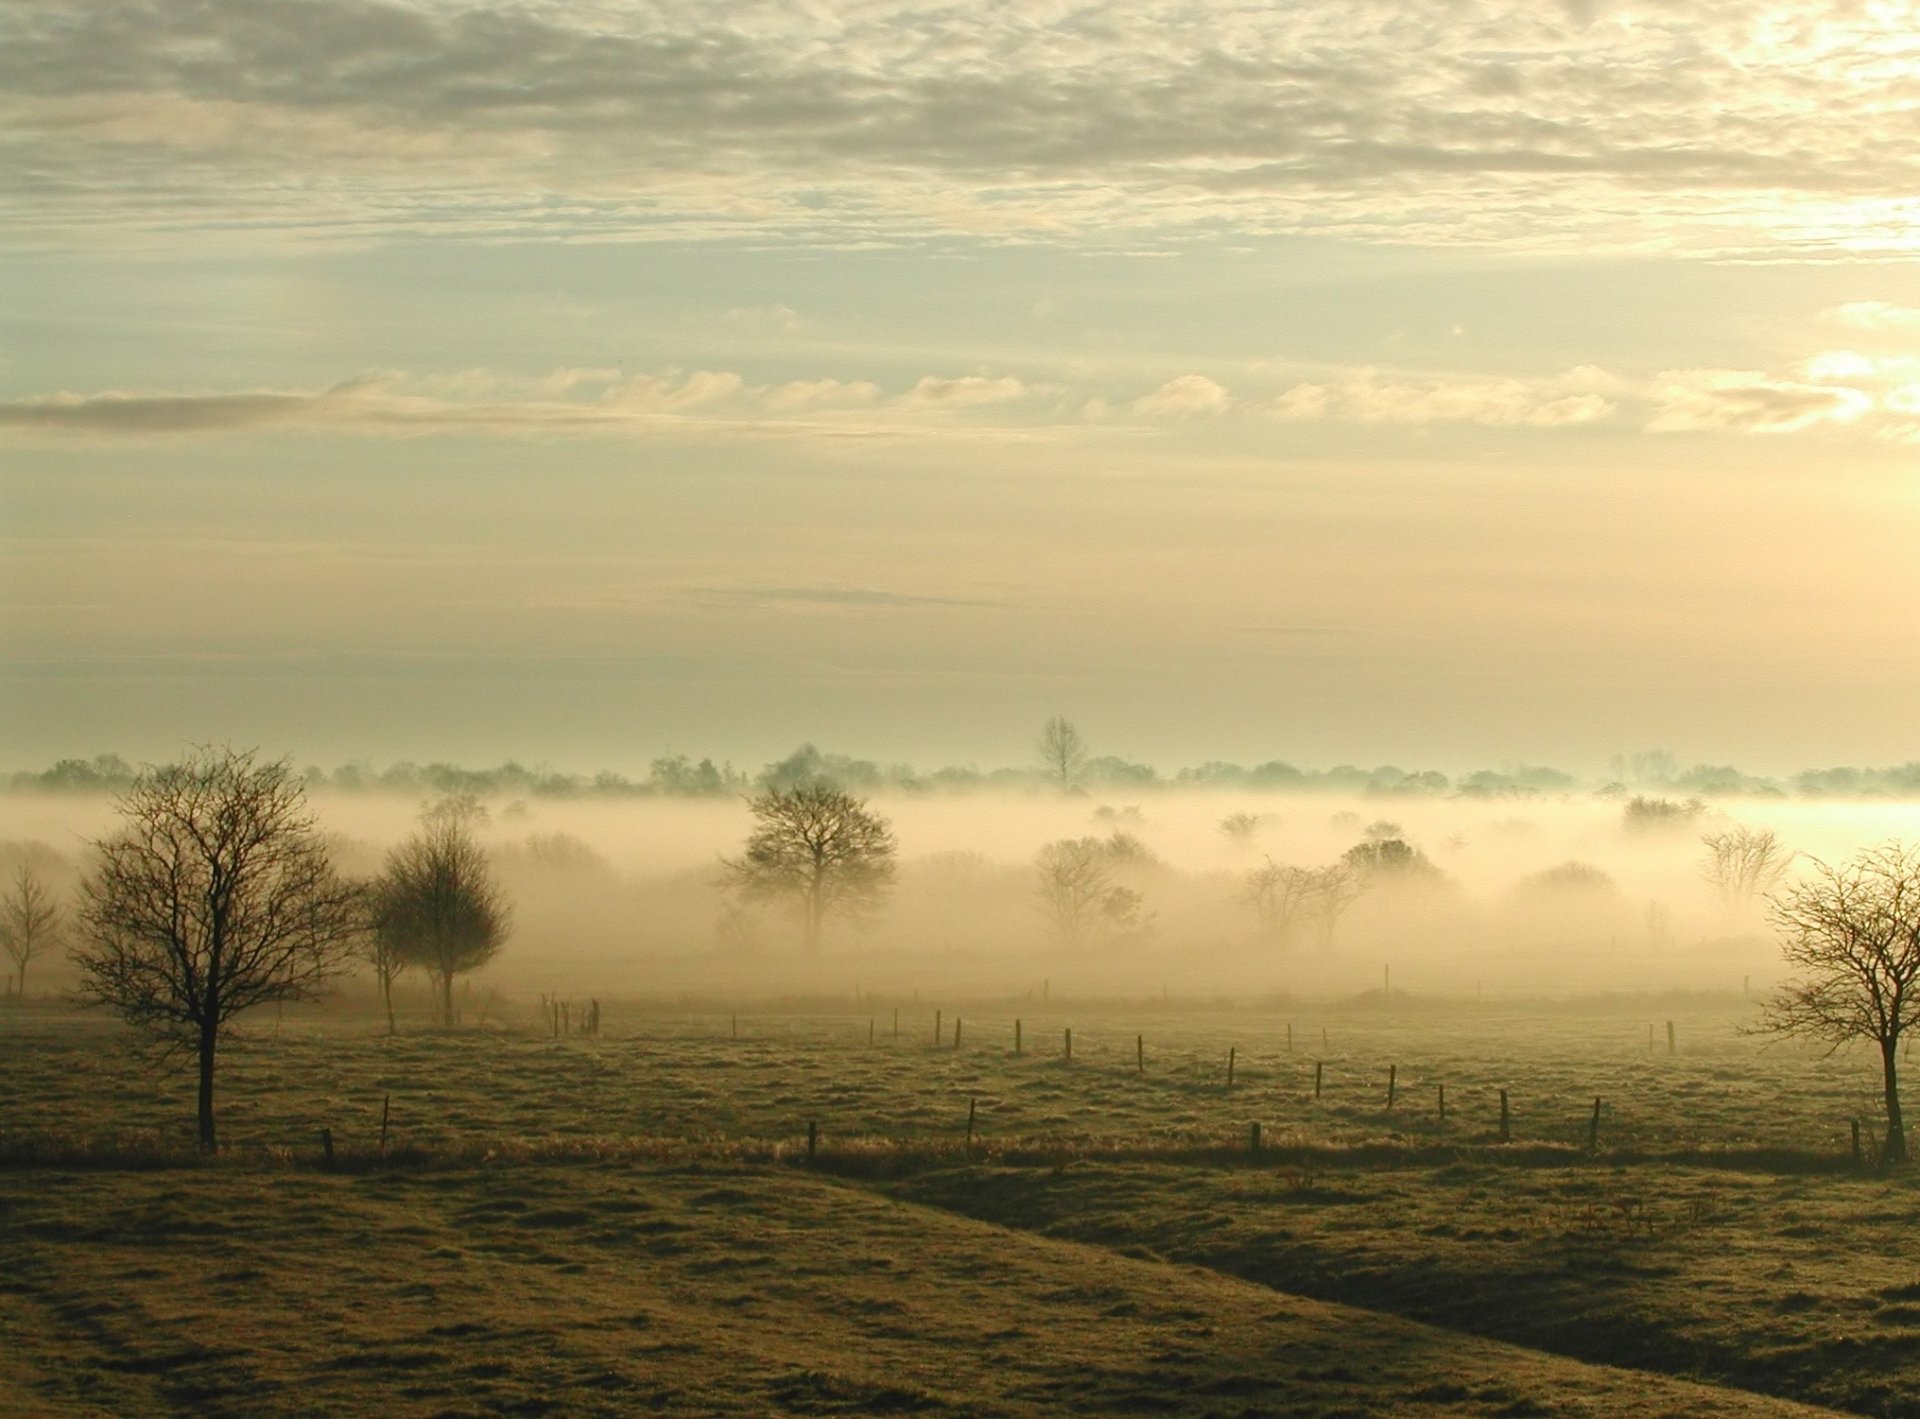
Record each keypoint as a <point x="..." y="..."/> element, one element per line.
<point x="568" y="401"/>
<point x="1875" y="395"/>
<point x="1711" y="124"/>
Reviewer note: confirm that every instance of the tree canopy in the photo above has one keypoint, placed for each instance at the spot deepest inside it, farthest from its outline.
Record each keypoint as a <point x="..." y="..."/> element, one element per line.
<point x="437" y="905"/>
<point x="819" y="849"/>
<point x="215" y="896"/>
<point x="1853" y="935"/>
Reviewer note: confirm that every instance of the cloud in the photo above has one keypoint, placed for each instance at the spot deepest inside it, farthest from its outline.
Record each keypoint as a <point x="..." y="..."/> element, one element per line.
<point x="822" y="394"/>
<point x="1875" y="315"/>
<point x="136" y="414"/>
<point x="1873" y="395"/>
<point x="1186" y="395"/>
<point x="1726" y="126"/>
<point x="966" y="392"/>
<point x="668" y="394"/>
<point x="587" y="401"/>
<point x="1369" y="397"/>
<point x="1747" y="401"/>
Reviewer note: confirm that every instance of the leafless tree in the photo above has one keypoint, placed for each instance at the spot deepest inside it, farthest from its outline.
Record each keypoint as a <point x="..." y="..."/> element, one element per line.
<point x="382" y="949"/>
<point x="437" y="905"/>
<point x="1282" y="897"/>
<point x="1853" y="933"/>
<point x="29" y="922"/>
<point x="215" y="896"/>
<point x="819" y="849"/>
<point x="1745" y="863"/>
<point x="1062" y="751"/>
<point x="1077" y="892"/>
<point x="1336" y="887"/>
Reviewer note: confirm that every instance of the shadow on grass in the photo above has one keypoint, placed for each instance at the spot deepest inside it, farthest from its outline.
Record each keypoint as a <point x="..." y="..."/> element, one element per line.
<point x="883" y="1158"/>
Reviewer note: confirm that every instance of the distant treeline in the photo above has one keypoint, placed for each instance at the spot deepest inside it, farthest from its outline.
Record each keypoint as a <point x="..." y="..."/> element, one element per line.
<point x="678" y="776"/>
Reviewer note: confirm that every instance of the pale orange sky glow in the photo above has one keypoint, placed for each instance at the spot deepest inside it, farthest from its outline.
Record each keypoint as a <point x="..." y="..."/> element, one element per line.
<point x="1443" y="385"/>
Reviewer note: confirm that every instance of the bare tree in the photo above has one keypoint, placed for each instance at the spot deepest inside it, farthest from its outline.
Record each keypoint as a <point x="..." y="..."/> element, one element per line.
<point x="29" y="922"/>
<point x="437" y="905"/>
<point x="215" y="896"/>
<point x="1076" y="889"/>
<point x="1062" y="751"/>
<point x="1745" y="863"/>
<point x="821" y="850"/>
<point x="1336" y="887"/>
<point x="1282" y="897"/>
<point x="1853" y="933"/>
<point x="382" y="949"/>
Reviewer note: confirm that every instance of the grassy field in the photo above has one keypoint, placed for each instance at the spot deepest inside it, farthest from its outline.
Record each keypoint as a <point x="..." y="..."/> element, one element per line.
<point x="630" y="1224"/>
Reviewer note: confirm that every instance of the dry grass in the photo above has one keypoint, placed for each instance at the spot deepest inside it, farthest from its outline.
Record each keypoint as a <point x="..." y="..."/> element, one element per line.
<point x="613" y="1290"/>
<point x="1720" y="1232"/>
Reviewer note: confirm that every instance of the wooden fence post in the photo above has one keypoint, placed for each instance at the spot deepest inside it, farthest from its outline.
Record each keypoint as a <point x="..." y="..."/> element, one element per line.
<point x="1506" y="1134"/>
<point x="1593" y="1128"/>
<point x="1069" y="1052"/>
<point x="971" y="1102"/>
<point x="1139" y="1054"/>
<point x="1253" y="1139"/>
<point x="326" y="1146"/>
<point x="1016" y="1036"/>
<point x="1231" y="1051"/>
<point x="939" y="1031"/>
<point x="1318" y="1065"/>
<point x="386" y="1104"/>
<point x="1393" y="1078"/>
<point x="956" y="1032"/>
<point x="1289" y="1037"/>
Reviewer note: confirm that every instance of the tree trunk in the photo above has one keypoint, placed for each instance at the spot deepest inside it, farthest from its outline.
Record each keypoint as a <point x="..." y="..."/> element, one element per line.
<point x="386" y="992"/>
<point x="209" y="1036"/>
<point x="1896" y="1150"/>
<point x="813" y="919"/>
<point x="446" y="998"/>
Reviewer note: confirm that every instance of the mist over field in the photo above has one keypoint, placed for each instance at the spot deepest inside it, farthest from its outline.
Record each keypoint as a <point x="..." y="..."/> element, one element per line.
<point x="389" y="388"/>
<point x="1564" y="894"/>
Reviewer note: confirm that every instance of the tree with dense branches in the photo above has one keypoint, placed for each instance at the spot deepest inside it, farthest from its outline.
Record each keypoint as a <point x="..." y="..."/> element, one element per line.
<point x="1282" y="897"/>
<point x="1077" y="893"/>
<point x="215" y="896"/>
<point x="437" y="905"/>
<point x="819" y="849"/>
<point x="1745" y="863"/>
<point x="1853" y="933"/>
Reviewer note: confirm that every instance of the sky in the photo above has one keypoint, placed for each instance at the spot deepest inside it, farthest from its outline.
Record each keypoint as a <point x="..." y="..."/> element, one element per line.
<point x="1445" y="384"/>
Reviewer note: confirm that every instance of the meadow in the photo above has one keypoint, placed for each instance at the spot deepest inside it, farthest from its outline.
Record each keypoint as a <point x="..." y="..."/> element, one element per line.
<point x="636" y="1222"/>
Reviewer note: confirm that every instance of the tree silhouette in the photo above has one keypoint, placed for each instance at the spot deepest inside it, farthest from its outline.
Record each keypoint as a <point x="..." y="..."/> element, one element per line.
<point x="1062" y="751"/>
<point x="1853" y="932"/>
<point x="819" y="849"/>
<point x="437" y="906"/>
<point x="29" y="922"/>
<point x="215" y="896"/>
